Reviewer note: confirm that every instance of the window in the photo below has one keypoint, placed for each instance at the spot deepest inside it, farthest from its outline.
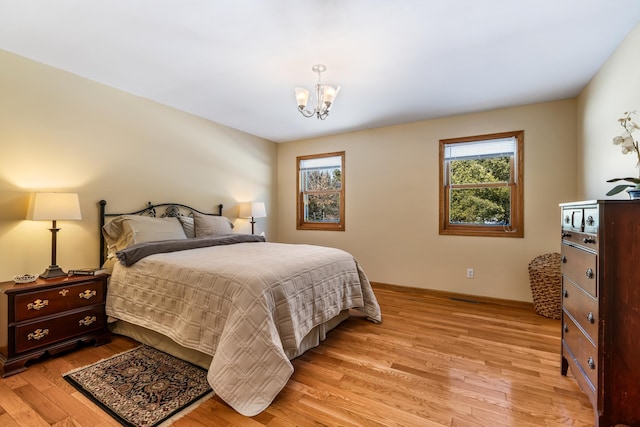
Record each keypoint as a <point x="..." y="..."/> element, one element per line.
<point x="321" y="192"/>
<point x="481" y="185"/>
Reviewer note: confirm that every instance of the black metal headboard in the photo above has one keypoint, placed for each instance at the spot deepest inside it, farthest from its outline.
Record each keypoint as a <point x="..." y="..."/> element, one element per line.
<point x="170" y="210"/>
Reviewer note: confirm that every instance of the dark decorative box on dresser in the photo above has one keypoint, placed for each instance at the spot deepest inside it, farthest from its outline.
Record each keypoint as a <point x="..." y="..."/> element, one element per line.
<point x="50" y="316"/>
<point x="601" y="306"/>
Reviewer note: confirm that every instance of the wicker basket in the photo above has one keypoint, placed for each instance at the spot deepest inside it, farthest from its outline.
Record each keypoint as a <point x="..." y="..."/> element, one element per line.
<point x="546" y="285"/>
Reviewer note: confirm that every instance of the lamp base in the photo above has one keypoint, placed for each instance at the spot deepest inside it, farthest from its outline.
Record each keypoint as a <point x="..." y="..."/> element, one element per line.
<point x="52" y="271"/>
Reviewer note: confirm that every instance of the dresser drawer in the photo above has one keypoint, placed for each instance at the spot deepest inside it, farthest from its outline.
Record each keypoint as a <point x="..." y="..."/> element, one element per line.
<point x="589" y="241"/>
<point x="591" y="220"/>
<point x="42" y="333"/>
<point x="572" y="219"/>
<point x="585" y="354"/>
<point x="582" y="307"/>
<point x="42" y="303"/>
<point x="580" y="267"/>
<point x="582" y="379"/>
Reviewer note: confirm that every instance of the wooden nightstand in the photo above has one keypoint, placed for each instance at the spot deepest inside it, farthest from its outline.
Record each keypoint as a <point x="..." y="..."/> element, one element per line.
<point x="50" y="316"/>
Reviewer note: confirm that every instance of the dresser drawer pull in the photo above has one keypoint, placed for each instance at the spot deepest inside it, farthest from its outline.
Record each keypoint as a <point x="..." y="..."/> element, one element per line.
<point x="565" y="293"/>
<point x="64" y="292"/>
<point x="565" y="328"/>
<point x="88" y="294"/>
<point x="38" y="334"/>
<point x="38" y="304"/>
<point x="564" y="259"/>
<point x="565" y="234"/>
<point x="591" y="363"/>
<point x="87" y="321"/>
<point x="590" y="318"/>
<point x="589" y="273"/>
<point x="589" y="240"/>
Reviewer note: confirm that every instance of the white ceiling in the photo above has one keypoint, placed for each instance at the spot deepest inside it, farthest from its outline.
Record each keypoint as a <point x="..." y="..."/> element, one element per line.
<point x="237" y="62"/>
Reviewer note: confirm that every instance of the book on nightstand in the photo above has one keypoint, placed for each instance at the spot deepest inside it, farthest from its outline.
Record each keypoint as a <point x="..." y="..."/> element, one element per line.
<point x="87" y="271"/>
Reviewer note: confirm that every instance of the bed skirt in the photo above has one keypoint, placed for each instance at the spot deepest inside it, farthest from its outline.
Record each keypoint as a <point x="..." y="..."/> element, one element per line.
<point x="166" y="344"/>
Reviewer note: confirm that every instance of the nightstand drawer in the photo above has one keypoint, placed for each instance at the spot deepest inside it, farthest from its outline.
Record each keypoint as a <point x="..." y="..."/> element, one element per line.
<point x="583" y="351"/>
<point x="580" y="267"/>
<point x="582" y="307"/>
<point x="41" y="333"/>
<point x="42" y="303"/>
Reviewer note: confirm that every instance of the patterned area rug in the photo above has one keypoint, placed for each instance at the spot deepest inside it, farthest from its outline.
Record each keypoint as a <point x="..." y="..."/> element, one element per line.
<point x="142" y="387"/>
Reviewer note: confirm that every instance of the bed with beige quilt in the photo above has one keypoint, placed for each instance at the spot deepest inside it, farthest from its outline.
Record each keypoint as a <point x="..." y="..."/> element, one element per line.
<point x="183" y="282"/>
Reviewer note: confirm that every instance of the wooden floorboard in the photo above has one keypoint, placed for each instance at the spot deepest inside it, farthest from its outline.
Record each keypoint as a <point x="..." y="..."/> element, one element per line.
<point x="434" y="361"/>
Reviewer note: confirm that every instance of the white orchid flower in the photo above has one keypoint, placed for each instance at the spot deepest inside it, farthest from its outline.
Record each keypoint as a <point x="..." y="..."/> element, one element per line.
<point x="627" y="141"/>
<point x="627" y="145"/>
<point x="624" y="140"/>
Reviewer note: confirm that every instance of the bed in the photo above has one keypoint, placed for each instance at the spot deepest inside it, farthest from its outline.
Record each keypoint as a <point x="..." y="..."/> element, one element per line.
<point x="183" y="282"/>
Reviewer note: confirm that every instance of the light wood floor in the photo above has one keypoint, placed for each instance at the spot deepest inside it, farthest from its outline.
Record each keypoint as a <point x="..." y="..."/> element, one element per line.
<point x="432" y="362"/>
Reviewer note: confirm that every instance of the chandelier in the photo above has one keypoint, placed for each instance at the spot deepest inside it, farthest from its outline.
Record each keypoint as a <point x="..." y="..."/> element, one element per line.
<point x="324" y="96"/>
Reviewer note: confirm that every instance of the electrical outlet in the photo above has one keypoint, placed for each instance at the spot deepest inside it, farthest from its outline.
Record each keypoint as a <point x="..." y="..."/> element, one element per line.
<point x="469" y="273"/>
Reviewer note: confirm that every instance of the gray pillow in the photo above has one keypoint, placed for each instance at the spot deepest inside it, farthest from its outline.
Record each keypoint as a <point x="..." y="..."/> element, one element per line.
<point x="208" y="225"/>
<point x="188" y="226"/>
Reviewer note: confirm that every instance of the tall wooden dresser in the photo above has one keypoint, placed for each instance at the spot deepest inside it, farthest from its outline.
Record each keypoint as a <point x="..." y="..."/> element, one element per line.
<point x="601" y="305"/>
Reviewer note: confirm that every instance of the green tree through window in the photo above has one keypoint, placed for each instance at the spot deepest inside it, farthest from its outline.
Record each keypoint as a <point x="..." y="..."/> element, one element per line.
<point x="480" y="205"/>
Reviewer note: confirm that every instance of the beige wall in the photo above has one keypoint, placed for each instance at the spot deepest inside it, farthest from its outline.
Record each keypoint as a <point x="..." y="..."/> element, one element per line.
<point x="392" y="200"/>
<point x="614" y="90"/>
<point x="60" y="132"/>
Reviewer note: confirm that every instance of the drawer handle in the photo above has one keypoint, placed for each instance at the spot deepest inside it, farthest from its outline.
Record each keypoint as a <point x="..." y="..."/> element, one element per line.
<point x="589" y="240"/>
<point x="590" y="222"/>
<point x="591" y="363"/>
<point x="38" y="304"/>
<point x="589" y="273"/>
<point x="590" y="318"/>
<point x="564" y="259"/>
<point x="64" y="292"/>
<point x="38" y="334"/>
<point x="565" y="293"/>
<point x="565" y="328"/>
<point x="565" y="234"/>
<point x="87" y="321"/>
<point x="88" y="294"/>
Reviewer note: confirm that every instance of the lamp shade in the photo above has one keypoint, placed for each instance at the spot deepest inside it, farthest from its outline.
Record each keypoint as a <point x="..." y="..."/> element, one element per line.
<point x="54" y="206"/>
<point x="329" y="94"/>
<point x="302" y="96"/>
<point x="252" y="210"/>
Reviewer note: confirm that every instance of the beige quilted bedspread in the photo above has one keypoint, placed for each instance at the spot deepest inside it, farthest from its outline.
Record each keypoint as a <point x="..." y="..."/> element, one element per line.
<point x="247" y="304"/>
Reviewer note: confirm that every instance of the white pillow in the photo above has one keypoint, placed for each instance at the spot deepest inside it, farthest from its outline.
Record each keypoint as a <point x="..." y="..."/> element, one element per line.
<point x="127" y="230"/>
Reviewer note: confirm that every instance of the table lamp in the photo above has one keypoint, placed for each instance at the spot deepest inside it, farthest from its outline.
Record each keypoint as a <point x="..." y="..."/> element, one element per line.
<point x="54" y="207"/>
<point x="252" y="210"/>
